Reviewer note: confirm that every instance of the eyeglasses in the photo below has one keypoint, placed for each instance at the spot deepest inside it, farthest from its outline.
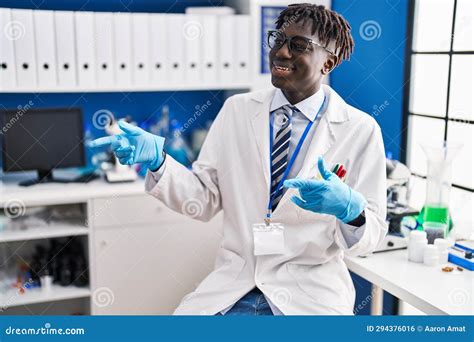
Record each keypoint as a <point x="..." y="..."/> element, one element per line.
<point x="296" y="44"/>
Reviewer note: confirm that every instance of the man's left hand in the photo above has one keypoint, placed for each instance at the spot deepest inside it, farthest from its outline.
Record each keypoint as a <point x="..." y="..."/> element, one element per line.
<point x="328" y="196"/>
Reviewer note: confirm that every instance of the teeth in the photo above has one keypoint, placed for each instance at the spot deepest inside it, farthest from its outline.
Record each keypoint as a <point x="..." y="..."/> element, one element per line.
<point x="281" y="68"/>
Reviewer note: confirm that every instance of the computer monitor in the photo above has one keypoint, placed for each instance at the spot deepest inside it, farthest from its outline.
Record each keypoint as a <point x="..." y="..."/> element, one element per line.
<point x="42" y="140"/>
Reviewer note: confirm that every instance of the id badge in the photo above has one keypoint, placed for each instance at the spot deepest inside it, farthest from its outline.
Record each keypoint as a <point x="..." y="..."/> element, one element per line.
<point x="268" y="239"/>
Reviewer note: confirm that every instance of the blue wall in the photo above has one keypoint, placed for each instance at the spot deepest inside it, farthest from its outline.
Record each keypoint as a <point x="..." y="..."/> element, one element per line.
<point x="373" y="79"/>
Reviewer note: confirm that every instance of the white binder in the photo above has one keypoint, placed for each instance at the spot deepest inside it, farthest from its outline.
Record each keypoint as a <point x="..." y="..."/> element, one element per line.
<point x="175" y="48"/>
<point x="104" y="49"/>
<point x="159" y="60"/>
<point x="242" y="45"/>
<point x="45" y="48"/>
<point x="65" y="53"/>
<point x="23" y="37"/>
<point x="123" y="49"/>
<point x="141" y="48"/>
<point x="226" y="45"/>
<point x="209" y="49"/>
<point x="85" y="49"/>
<point x="7" y="57"/>
<point x="193" y="34"/>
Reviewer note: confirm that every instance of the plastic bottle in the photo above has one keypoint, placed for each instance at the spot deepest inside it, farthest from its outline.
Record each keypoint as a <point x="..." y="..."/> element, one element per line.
<point x="417" y="243"/>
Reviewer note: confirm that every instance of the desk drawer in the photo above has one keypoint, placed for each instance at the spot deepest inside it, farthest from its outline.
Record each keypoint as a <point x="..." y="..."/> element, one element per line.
<point x="127" y="210"/>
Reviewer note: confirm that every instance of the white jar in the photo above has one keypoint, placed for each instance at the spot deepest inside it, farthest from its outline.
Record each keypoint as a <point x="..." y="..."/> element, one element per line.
<point x="431" y="255"/>
<point x="442" y="245"/>
<point x="416" y="245"/>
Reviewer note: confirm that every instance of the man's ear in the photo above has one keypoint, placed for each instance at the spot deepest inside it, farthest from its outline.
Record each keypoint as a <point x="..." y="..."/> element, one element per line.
<point x="329" y="65"/>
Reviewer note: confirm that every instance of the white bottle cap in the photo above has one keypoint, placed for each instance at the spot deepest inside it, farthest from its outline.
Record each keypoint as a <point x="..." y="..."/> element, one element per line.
<point x="442" y="244"/>
<point x="417" y="235"/>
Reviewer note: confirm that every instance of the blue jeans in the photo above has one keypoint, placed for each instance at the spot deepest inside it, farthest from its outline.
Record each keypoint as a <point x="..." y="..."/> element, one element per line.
<point x="252" y="304"/>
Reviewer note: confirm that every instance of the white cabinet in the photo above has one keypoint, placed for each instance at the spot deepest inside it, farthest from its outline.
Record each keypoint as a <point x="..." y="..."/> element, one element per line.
<point x="147" y="266"/>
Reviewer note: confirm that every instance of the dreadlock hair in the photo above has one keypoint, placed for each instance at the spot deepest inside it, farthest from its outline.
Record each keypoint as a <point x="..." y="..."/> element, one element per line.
<point x="329" y="25"/>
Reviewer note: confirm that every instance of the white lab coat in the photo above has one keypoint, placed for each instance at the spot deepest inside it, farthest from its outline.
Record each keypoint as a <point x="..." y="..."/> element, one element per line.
<point x="232" y="173"/>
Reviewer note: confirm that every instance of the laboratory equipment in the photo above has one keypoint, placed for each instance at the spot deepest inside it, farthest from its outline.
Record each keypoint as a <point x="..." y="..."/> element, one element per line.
<point x="43" y="140"/>
<point x="438" y="183"/>
<point x="461" y="254"/>
<point x="398" y="211"/>
<point x="416" y="245"/>
<point x="442" y="245"/>
<point x="430" y="255"/>
<point x="435" y="230"/>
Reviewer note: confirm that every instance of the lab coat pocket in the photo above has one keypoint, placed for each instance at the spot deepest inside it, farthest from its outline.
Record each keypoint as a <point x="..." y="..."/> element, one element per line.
<point x="320" y="284"/>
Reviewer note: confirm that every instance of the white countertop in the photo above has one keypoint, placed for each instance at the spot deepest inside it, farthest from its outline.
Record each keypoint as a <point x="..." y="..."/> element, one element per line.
<point x="64" y="193"/>
<point x="429" y="289"/>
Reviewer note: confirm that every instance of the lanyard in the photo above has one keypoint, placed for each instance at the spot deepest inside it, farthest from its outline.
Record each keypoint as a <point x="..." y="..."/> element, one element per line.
<point x="290" y="163"/>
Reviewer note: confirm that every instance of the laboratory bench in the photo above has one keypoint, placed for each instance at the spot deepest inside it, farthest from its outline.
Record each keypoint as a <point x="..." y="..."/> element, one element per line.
<point x="426" y="288"/>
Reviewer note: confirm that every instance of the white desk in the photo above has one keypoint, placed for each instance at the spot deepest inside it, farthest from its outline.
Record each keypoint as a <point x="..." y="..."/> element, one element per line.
<point x="427" y="288"/>
<point x="134" y="246"/>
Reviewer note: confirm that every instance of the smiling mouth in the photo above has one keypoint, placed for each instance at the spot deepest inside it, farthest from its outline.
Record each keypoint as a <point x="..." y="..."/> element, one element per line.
<point x="282" y="67"/>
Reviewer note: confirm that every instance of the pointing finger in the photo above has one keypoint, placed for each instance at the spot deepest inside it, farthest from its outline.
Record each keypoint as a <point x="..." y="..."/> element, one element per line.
<point x="102" y="141"/>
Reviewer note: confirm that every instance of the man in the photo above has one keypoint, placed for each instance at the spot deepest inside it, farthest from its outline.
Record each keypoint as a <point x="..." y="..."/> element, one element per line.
<point x="288" y="220"/>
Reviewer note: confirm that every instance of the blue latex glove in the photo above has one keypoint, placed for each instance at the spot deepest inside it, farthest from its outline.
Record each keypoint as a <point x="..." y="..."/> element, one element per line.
<point x="328" y="196"/>
<point x="134" y="146"/>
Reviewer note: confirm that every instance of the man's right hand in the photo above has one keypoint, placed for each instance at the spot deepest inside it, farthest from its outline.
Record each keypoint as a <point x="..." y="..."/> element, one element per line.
<point x="134" y="146"/>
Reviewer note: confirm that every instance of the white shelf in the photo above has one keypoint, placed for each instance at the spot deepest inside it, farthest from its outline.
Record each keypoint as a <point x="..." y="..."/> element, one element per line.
<point x="165" y="87"/>
<point x="50" y="231"/>
<point x="13" y="298"/>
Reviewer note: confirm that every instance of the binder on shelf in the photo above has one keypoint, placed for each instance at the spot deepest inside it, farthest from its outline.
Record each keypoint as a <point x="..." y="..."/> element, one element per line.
<point x="21" y="31"/>
<point x="85" y="49"/>
<point x="175" y="48"/>
<point x="159" y="53"/>
<point x="242" y="45"/>
<point x="7" y="57"/>
<point x="45" y="48"/>
<point x="141" y="48"/>
<point x="226" y="46"/>
<point x="123" y="49"/>
<point x="193" y="35"/>
<point x="66" y="51"/>
<point x="209" y="48"/>
<point x="105" y="66"/>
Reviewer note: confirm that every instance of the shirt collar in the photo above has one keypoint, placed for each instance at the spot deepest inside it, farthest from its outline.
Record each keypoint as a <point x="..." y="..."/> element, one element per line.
<point x="309" y="106"/>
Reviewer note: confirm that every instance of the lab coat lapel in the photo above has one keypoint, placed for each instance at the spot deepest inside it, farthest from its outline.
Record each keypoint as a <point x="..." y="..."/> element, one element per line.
<point x="260" y="120"/>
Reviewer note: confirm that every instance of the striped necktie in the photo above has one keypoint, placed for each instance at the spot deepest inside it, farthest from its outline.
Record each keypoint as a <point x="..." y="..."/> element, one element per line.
<point x="281" y="146"/>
